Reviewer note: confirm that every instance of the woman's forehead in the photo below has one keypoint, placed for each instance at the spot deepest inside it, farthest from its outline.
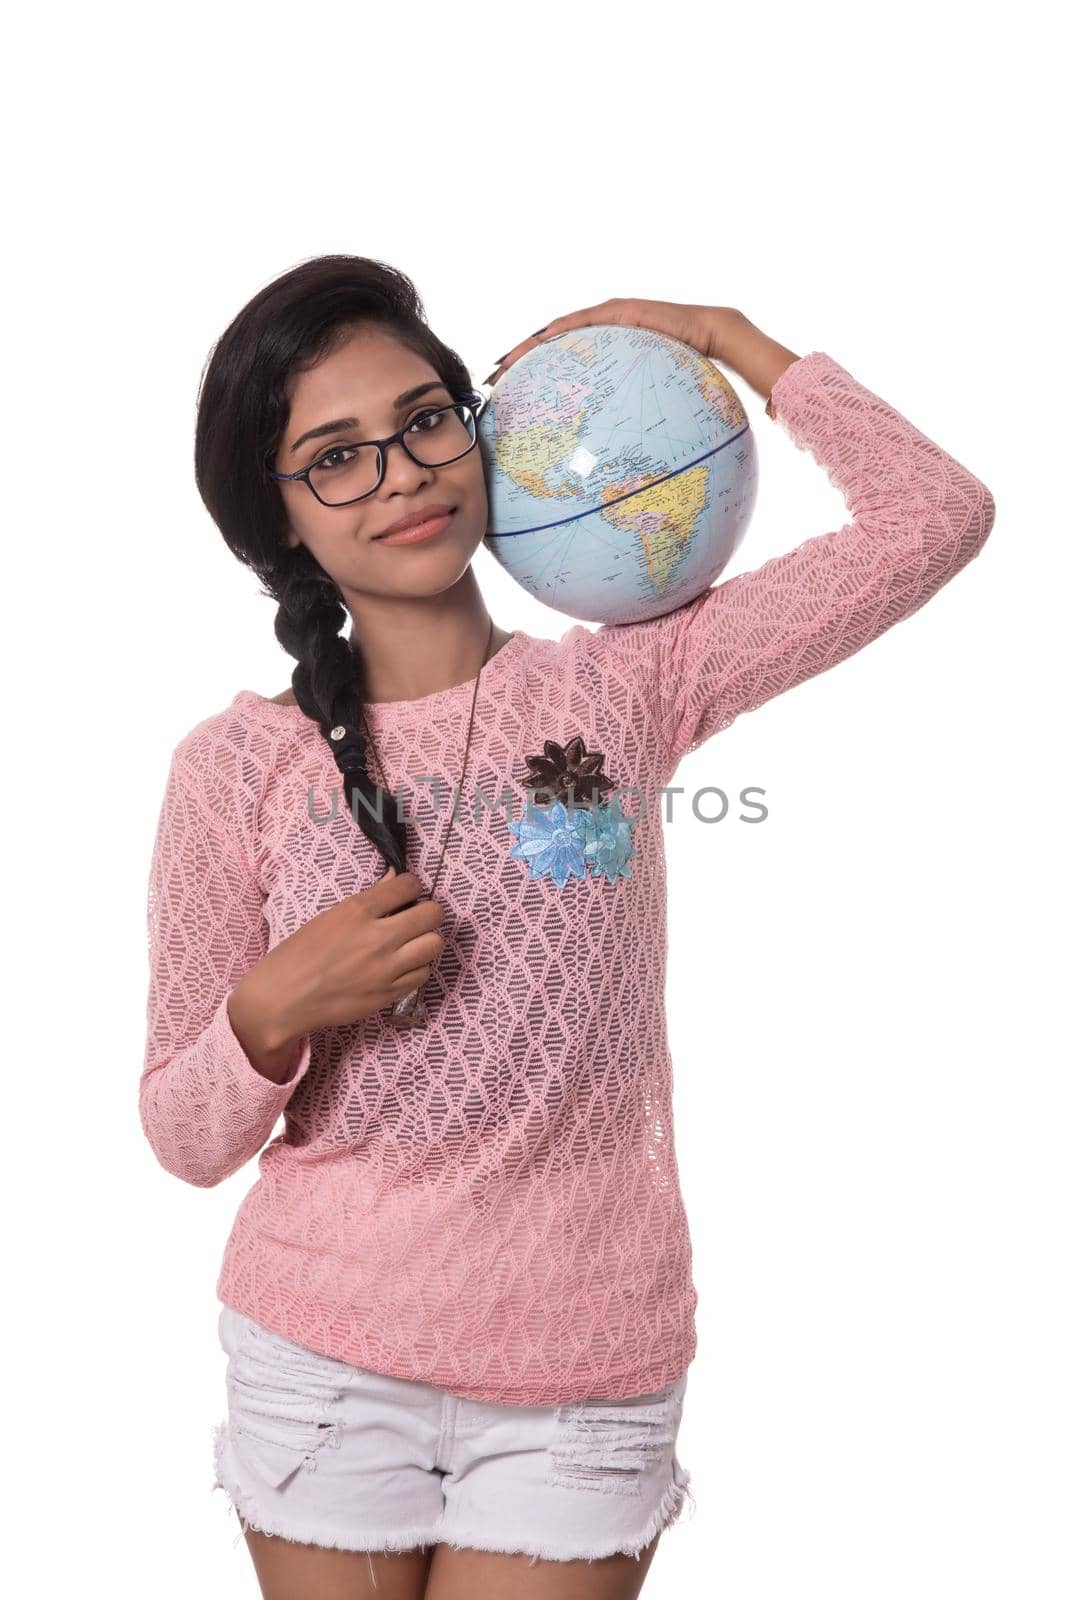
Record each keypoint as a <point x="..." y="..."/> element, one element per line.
<point x="367" y="367"/>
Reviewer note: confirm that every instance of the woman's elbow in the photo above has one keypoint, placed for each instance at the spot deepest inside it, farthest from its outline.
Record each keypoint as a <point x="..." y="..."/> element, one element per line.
<point x="983" y="518"/>
<point x="183" y="1158"/>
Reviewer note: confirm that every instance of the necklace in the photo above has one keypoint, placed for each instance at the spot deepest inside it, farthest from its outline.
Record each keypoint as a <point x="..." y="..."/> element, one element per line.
<point x="411" y="1008"/>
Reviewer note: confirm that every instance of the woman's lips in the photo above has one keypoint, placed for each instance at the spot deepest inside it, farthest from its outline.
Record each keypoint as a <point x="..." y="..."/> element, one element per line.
<point x="417" y="535"/>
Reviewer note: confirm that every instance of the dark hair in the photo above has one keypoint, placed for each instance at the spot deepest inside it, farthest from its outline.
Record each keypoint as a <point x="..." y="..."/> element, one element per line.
<point x="242" y="412"/>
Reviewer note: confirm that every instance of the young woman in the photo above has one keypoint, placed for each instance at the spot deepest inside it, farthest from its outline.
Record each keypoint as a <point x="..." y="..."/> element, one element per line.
<point x="457" y="1303"/>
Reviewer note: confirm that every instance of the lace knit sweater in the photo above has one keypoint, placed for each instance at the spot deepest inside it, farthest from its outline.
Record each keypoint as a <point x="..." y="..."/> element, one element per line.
<point x="490" y="1202"/>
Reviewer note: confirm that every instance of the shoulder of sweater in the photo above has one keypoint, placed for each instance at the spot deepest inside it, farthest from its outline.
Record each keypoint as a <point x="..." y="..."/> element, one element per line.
<point x="214" y="734"/>
<point x="250" y="723"/>
<point x="228" y="757"/>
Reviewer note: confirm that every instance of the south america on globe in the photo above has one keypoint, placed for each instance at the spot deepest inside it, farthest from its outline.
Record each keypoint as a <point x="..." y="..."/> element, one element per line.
<point x="621" y="473"/>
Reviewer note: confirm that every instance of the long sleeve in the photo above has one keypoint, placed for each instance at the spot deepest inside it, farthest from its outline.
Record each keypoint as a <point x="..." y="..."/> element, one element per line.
<point x="204" y="1107"/>
<point x="917" y="518"/>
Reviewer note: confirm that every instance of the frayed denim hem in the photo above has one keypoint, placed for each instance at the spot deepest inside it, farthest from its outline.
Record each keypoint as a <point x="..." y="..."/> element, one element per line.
<point x="249" y="1515"/>
<point x="669" y="1511"/>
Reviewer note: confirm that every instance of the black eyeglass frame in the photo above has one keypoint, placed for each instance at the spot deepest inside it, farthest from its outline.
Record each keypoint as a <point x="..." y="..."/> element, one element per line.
<point x="471" y="400"/>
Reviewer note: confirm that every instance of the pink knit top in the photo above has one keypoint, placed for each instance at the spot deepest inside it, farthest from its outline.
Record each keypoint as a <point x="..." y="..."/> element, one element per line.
<point x="490" y="1202"/>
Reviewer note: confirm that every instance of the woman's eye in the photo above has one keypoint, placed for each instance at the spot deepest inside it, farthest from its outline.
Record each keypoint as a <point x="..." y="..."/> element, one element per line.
<point x="416" y="420"/>
<point x="339" y="457"/>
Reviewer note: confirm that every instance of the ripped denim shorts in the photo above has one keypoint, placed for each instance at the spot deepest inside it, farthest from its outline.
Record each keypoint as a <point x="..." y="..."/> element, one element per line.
<point x="324" y="1453"/>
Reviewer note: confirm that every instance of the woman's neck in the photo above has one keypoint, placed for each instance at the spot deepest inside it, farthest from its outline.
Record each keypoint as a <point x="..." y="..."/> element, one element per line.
<point x="424" y="656"/>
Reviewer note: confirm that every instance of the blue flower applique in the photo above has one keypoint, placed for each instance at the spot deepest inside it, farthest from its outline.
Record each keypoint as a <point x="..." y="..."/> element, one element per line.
<point x="551" y="843"/>
<point x="574" y="829"/>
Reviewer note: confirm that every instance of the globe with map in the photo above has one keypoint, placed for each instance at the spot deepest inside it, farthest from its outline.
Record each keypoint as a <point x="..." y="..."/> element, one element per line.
<point x="621" y="472"/>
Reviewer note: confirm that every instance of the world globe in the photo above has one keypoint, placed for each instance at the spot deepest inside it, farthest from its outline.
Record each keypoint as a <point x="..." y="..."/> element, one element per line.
<point x="621" y="473"/>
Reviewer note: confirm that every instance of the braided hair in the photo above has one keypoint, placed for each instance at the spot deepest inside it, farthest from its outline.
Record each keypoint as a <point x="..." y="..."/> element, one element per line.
<point x="242" y="412"/>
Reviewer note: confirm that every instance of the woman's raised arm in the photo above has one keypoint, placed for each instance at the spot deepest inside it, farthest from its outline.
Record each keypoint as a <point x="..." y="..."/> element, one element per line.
<point x="917" y="516"/>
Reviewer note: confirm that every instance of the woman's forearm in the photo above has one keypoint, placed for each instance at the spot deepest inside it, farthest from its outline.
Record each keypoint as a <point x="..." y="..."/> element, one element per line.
<point x="752" y="354"/>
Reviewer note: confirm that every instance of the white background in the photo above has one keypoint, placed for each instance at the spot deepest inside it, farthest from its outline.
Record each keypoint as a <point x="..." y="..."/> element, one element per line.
<point x="868" y="1050"/>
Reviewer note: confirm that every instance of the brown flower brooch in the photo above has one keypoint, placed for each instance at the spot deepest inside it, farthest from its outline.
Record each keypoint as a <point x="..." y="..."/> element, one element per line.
<point x="572" y="764"/>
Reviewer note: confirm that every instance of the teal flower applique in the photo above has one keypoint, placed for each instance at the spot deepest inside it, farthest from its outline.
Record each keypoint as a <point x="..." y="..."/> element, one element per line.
<point x="607" y="843"/>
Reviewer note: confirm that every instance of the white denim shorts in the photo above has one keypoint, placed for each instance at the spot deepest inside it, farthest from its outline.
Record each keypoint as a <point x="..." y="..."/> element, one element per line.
<point x="321" y="1452"/>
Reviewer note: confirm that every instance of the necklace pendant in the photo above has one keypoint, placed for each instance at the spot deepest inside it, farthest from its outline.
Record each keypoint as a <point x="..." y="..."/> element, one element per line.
<point x="410" y="1008"/>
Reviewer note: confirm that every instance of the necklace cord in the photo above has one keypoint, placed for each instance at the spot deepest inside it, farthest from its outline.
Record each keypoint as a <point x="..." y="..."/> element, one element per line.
<point x="463" y="772"/>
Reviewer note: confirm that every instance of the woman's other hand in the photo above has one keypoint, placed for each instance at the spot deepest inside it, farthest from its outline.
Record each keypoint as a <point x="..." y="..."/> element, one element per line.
<point x="705" y="328"/>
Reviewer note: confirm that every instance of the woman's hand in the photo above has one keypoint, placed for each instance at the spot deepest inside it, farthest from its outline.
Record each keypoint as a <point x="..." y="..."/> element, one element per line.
<point x="723" y="333"/>
<point x="350" y="960"/>
<point x="705" y="328"/>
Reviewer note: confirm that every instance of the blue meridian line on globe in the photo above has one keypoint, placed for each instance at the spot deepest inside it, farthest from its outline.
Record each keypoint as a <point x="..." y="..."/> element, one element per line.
<point x="640" y="369"/>
<point x="593" y="511"/>
<point x="670" y="378"/>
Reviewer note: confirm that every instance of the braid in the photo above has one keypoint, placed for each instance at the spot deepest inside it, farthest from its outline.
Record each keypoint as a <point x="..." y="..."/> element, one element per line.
<point x="328" y="683"/>
<point x="242" y="410"/>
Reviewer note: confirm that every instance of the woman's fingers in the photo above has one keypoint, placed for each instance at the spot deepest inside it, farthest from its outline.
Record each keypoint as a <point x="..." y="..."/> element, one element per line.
<point x="517" y="350"/>
<point x="703" y="328"/>
<point x="607" y="311"/>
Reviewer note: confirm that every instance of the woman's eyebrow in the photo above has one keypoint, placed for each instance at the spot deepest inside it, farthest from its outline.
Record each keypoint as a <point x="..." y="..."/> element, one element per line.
<point x="401" y="401"/>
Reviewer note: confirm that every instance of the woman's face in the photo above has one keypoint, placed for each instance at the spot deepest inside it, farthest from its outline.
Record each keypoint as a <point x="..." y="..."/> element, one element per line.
<point x="361" y="379"/>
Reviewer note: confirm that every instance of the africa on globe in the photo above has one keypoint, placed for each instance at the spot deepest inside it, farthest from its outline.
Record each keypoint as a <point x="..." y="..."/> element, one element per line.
<point x="621" y="472"/>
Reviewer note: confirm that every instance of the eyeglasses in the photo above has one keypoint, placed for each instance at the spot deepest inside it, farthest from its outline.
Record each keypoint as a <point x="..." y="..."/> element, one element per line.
<point x="349" y="472"/>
